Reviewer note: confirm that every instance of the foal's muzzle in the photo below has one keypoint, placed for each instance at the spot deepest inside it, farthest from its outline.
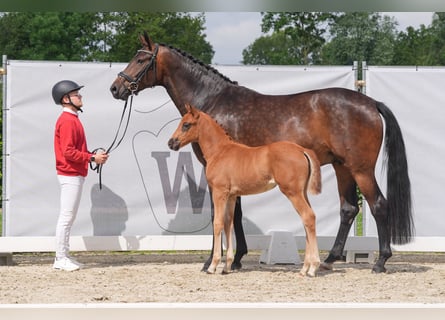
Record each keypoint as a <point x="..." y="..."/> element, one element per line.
<point x="174" y="144"/>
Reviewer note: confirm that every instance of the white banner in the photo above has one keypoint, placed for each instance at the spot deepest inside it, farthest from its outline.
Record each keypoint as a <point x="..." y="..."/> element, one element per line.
<point x="147" y="188"/>
<point x="417" y="98"/>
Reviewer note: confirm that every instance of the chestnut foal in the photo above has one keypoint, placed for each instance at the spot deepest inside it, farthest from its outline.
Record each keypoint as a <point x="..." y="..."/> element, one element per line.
<point x="234" y="169"/>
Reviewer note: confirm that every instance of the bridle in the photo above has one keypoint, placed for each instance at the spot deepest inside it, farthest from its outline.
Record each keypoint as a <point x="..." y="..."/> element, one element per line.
<point x="134" y="82"/>
<point x="98" y="167"/>
<point x="133" y="86"/>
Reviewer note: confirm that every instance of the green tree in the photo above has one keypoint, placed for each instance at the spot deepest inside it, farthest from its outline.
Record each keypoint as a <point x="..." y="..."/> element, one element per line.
<point x="360" y="36"/>
<point x="275" y="49"/>
<point x="180" y="30"/>
<point x="438" y="38"/>
<point x="306" y="30"/>
<point x="46" y="35"/>
<point x="424" y="46"/>
<point x="413" y="47"/>
<point x="99" y="36"/>
<point x="14" y="30"/>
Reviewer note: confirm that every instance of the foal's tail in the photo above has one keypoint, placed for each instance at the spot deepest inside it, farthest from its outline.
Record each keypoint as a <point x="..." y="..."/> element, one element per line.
<point x="398" y="184"/>
<point x="314" y="183"/>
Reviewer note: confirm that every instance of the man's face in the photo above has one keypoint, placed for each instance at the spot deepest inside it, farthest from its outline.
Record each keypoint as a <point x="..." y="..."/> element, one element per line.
<point x="74" y="97"/>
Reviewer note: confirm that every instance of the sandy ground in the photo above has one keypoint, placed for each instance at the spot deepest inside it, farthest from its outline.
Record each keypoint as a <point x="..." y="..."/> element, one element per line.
<point x="176" y="277"/>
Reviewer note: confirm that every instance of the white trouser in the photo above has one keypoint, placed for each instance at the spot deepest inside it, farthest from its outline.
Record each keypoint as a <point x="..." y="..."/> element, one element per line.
<point x="70" y="193"/>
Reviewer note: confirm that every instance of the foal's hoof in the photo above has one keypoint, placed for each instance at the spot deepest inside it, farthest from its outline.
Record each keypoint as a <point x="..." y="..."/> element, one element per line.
<point x="310" y="274"/>
<point x="210" y="271"/>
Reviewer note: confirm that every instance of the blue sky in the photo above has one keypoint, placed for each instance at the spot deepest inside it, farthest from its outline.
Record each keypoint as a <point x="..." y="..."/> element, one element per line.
<point x="231" y="32"/>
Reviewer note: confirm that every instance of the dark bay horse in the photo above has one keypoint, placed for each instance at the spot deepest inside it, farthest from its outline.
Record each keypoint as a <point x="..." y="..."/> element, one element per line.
<point x="234" y="169"/>
<point x="343" y="127"/>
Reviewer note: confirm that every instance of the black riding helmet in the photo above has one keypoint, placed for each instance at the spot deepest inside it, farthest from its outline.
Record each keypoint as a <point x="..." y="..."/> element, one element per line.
<point x="62" y="88"/>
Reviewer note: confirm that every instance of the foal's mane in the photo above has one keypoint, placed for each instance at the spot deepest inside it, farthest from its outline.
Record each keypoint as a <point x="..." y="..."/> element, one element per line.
<point x="219" y="125"/>
<point x="199" y="63"/>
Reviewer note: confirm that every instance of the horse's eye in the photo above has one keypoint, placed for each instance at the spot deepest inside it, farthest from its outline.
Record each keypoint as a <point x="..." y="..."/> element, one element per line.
<point x="186" y="126"/>
<point x="140" y="61"/>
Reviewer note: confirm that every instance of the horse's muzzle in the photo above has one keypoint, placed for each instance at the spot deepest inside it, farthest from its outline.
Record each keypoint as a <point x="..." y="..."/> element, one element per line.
<point x="174" y="144"/>
<point x="119" y="91"/>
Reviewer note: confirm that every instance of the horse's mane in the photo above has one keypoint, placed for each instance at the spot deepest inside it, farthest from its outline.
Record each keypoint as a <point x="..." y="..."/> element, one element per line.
<point x="200" y="63"/>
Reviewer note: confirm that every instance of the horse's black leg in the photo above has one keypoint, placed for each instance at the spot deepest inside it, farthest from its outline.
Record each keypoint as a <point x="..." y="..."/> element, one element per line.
<point x="379" y="210"/>
<point x="348" y="211"/>
<point x="209" y="260"/>
<point x="212" y="215"/>
<point x="241" y="245"/>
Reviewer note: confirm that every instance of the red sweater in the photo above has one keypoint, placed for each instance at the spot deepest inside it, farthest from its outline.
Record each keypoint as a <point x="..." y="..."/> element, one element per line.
<point x="70" y="146"/>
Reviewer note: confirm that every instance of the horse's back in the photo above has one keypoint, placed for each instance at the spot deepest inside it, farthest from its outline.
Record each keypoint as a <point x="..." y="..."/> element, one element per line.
<point x="330" y="121"/>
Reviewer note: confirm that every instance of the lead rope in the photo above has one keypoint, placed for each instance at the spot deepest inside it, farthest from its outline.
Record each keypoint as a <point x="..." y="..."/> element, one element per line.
<point x="98" y="167"/>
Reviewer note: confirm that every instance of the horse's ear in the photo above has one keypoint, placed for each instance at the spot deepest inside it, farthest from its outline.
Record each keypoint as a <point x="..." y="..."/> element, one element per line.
<point x="146" y="41"/>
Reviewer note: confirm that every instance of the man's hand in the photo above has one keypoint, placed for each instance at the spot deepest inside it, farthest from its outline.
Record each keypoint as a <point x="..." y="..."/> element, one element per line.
<point x="100" y="158"/>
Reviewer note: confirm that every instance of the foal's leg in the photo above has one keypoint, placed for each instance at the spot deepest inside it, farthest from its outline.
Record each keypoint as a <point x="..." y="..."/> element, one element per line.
<point x="312" y="257"/>
<point x="349" y="209"/>
<point x="241" y="244"/>
<point x="212" y="215"/>
<point x="220" y="203"/>
<point x="228" y="229"/>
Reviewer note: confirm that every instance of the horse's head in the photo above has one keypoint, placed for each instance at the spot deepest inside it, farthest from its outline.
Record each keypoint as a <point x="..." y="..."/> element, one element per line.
<point x="187" y="130"/>
<point x="140" y="72"/>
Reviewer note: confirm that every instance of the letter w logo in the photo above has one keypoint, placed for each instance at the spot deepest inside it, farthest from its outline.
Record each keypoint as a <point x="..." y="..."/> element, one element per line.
<point x="183" y="169"/>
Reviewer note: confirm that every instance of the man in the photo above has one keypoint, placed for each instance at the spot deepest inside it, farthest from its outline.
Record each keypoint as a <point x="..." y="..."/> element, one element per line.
<point x="72" y="159"/>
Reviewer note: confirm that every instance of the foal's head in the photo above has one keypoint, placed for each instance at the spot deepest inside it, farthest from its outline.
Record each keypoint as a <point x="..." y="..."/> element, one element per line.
<point x="187" y="130"/>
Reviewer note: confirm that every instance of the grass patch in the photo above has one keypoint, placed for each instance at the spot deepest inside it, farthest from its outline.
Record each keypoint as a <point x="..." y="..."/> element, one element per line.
<point x="359" y="224"/>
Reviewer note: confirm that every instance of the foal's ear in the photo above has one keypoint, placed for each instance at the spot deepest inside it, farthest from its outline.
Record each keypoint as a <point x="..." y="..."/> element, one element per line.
<point x="192" y="110"/>
<point x="146" y="41"/>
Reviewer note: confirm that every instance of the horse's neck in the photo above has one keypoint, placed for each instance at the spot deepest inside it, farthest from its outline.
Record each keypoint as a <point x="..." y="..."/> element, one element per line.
<point x="188" y="82"/>
<point x="212" y="137"/>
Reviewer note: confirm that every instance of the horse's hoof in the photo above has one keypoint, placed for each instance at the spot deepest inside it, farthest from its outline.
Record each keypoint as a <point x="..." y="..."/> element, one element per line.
<point x="378" y="269"/>
<point x="326" y="266"/>
<point x="236" y="266"/>
<point x="210" y="272"/>
<point x="225" y="271"/>
<point x="205" y="267"/>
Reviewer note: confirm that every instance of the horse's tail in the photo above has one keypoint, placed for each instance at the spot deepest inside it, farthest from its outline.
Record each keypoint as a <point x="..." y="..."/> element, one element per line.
<point x="398" y="184"/>
<point x="314" y="183"/>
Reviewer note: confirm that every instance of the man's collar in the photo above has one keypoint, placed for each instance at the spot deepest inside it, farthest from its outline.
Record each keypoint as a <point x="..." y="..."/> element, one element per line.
<point x="66" y="109"/>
